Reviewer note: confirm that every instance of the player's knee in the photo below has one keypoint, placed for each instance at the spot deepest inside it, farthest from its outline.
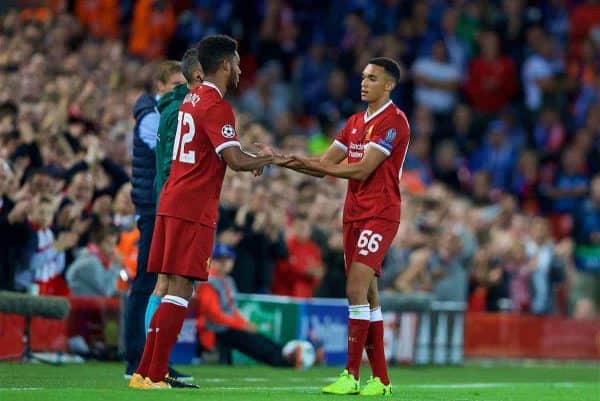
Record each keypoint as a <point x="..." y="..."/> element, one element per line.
<point x="181" y="287"/>
<point x="356" y="293"/>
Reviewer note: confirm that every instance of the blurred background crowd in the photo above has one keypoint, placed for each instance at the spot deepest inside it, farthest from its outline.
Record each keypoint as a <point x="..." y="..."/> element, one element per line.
<point x="501" y="183"/>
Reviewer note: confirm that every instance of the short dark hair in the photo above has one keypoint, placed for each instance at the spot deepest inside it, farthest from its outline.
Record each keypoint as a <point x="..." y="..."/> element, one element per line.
<point x="190" y="64"/>
<point x="212" y="50"/>
<point x="389" y="65"/>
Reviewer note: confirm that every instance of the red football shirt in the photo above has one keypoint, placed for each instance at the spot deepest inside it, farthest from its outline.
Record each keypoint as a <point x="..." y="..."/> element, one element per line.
<point x="206" y="126"/>
<point x="388" y="131"/>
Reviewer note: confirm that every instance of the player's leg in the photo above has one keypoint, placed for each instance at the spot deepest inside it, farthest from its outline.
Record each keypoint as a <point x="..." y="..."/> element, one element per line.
<point x="186" y="258"/>
<point x="150" y="258"/>
<point x="379" y="384"/>
<point x="167" y="323"/>
<point x="347" y="383"/>
<point x="160" y="290"/>
<point x="377" y="236"/>
<point x="137" y="299"/>
<point x="359" y="316"/>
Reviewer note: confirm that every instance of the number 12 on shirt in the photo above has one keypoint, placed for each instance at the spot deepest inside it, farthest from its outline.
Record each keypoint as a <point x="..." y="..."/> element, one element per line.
<point x="179" y="153"/>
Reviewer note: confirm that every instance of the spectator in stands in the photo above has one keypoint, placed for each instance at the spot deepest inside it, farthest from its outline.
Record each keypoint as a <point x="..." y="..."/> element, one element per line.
<point x="310" y="76"/>
<point x="525" y="181"/>
<point x="13" y="228"/>
<point x="492" y="78"/>
<point x="270" y="96"/>
<point x="124" y="219"/>
<point x="436" y="80"/>
<point x="97" y="267"/>
<point x="496" y="156"/>
<point x="300" y="274"/>
<point x="570" y="184"/>
<point x="549" y="135"/>
<point x="539" y="73"/>
<point x="540" y="249"/>
<point x="221" y="325"/>
<point x="586" y="287"/>
<point x="100" y="17"/>
<point x="253" y="268"/>
<point x="446" y="165"/>
<point x="46" y="262"/>
<point x="152" y="27"/>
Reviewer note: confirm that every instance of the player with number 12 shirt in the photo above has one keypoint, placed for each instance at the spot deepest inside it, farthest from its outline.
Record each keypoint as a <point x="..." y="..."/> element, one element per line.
<point x="205" y="144"/>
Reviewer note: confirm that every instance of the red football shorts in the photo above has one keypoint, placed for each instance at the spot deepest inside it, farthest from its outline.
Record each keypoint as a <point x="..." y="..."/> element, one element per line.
<point x="181" y="247"/>
<point x="367" y="241"/>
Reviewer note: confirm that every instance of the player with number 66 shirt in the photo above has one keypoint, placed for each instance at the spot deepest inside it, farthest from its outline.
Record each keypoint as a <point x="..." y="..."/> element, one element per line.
<point x="375" y="143"/>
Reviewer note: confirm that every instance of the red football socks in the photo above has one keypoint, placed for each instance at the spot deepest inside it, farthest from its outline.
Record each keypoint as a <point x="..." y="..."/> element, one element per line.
<point x="375" y="348"/>
<point x="168" y="321"/>
<point x="144" y="365"/>
<point x="358" y="328"/>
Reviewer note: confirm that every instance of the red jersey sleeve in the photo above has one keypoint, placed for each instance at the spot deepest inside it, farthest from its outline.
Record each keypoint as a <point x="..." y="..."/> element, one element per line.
<point x="342" y="140"/>
<point x="220" y="126"/>
<point x="390" y="134"/>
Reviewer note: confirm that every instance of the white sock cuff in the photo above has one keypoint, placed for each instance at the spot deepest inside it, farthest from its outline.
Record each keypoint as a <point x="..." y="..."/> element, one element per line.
<point x="359" y="312"/>
<point x="174" y="299"/>
<point x="376" y="315"/>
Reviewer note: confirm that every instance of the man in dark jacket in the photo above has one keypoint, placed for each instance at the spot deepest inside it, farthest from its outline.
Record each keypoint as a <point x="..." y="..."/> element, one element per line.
<point x="167" y="76"/>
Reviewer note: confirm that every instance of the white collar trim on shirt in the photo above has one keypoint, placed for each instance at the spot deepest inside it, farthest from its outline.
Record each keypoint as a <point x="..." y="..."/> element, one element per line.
<point x="372" y="116"/>
<point x="208" y="83"/>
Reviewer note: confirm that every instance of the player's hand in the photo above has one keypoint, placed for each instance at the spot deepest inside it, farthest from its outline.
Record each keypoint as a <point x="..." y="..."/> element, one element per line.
<point x="298" y="162"/>
<point x="265" y="149"/>
<point x="282" y="160"/>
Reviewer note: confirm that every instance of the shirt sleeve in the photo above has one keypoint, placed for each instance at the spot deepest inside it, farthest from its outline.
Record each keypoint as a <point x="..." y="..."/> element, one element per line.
<point x="149" y="129"/>
<point x="220" y="127"/>
<point x="390" y="134"/>
<point x="341" y="141"/>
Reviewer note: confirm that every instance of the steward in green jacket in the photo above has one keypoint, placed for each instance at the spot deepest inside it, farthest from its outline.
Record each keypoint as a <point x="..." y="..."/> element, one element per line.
<point x="168" y="107"/>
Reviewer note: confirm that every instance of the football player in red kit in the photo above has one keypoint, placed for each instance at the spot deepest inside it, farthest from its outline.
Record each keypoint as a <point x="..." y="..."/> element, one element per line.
<point x="375" y="143"/>
<point x="206" y="142"/>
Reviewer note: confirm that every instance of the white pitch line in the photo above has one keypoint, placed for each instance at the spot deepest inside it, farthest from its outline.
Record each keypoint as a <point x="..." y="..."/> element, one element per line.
<point x="267" y="389"/>
<point x="486" y="385"/>
<point x="21" y="388"/>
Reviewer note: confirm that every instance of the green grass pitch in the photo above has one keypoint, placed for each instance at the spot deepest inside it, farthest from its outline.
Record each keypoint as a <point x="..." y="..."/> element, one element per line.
<point x="104" y="381"/>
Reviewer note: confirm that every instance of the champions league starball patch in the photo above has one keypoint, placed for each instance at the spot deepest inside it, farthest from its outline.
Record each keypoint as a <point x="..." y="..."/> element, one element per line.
<point x="390" y="135"/>
<point x="388" y="141"/>
<point x="228" y="131"/>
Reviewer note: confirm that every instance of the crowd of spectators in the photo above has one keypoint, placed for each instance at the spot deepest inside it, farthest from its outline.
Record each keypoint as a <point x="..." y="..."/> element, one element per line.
<point x="501" y="183"/>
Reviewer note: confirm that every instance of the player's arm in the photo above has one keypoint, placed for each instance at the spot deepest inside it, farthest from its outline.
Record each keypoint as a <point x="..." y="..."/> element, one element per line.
<point x="356" y="171"/>
<point x="239" y="160"/>
<point x="333" y="155"/>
